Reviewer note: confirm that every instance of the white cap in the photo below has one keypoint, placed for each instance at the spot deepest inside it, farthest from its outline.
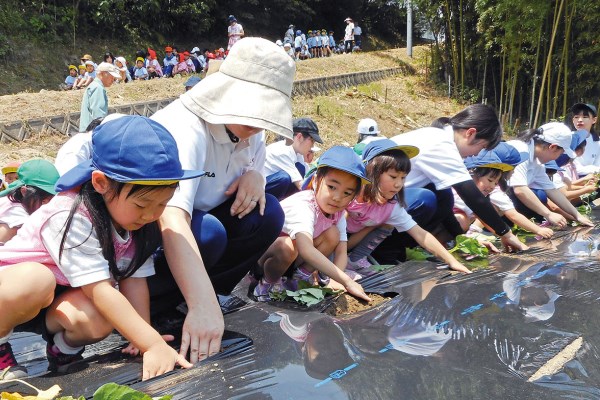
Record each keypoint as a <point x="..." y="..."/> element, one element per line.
<point x="195" y="50"/>
<point x="559" y="134"/>
<point x="278" y="42"/>
<point x="107" y="67"/>
<point x="287" y="44"/>
<point x="368" y="126"/>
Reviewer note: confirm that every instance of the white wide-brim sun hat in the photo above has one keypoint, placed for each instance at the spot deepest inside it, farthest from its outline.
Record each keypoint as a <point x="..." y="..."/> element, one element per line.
<point x="252" y="87"/>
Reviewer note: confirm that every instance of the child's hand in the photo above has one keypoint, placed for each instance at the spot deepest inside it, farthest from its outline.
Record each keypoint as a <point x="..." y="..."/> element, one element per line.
<point x="557" y="219"/>
<point x="460" y="268"/>
<point x="134" y="351"/>
<point x="490" y="246"/>
<point x="356" y="290"/>
<point x="583" y="220"/>
<point x="546" y="233"/>
<point x="161" y="358"/>
<point x="335" y="285"/>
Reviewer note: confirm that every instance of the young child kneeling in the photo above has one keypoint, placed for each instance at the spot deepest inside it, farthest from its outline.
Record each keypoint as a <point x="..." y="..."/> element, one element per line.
<point x="315" y="228"/>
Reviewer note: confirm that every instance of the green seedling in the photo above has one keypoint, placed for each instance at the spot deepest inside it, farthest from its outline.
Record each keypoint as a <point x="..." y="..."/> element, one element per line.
<point x="469" y="247"/>
<point x="416" y="254"/>
<point x="384" y="267"/>
<point x="306" y="294"/>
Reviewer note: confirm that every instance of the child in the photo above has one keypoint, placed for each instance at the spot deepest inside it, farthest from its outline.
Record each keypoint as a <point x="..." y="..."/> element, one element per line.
<point x="315" y="227"/>
<point x="235" y="31"/>
<point x="304" y="53"/>
<point x="80" y="77"/>
<point x="140" y="73"/>
<point x="169" y="62"/>
<point x="152" y="65"/>
<point x="368" y="130"/>
<point x="298" y="44"/>
<point x="10" y="173"/>
<point x="502" y="157"/>
<point x="189" y="62"/>
<point x="325" y="43"/>
<point x="121" y="64"/>
<point x="89" y="76"/>
<point x="71" y="79"/>
<point x="100" y="231"/>
<point x="585" y="117"/>
<point x="34" y="187"/>
<point x="380" y="204"/>
<point x="530" y="187"/>
<point x="181" y="68"/>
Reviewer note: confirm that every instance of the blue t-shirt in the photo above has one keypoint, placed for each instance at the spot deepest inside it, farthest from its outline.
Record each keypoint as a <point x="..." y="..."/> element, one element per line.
<point x="70" y="80"/>
<point x="140" y="72"/>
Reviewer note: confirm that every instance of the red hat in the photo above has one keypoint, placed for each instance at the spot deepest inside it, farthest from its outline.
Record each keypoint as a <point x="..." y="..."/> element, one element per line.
<point x="181" y="57"/>
<point x="186" y="53"/>
<point x="168" y="49"/>
<point x="152" y="54"/>
<point x="211" y="56"/>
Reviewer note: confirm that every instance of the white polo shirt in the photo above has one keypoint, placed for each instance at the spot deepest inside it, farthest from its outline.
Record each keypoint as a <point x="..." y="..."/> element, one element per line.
<point x="501" y="200"/>
<point x="530" y="173"/>
<point x="281" y="157"/>
<point x="207" y="147"/>
<point x="438" y="161"/>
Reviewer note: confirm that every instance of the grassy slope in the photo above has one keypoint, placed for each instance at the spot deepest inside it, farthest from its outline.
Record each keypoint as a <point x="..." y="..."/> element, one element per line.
<point x="398" y="103"/>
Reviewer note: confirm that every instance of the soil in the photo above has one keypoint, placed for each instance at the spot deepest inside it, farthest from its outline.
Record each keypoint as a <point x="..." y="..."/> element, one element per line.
<point x="347" y="304"/>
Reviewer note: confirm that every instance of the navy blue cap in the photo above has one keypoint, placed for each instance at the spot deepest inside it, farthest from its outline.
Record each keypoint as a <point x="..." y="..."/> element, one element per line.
<point x="130" y="149"/>
<point x="344" y="159"/>
<point x="308" y="126"/>
<point x="376" y="147"/>
<point x="553" y="166"/>
<point x="582" y="106"/>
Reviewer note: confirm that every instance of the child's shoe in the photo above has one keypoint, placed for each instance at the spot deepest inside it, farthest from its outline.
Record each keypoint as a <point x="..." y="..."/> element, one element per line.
<point x="9" y="368"/>
<point x="59" y="361"/>
<point x="362" y="266"/>
<point x="300" y="274"/>
<point x="263" y="290"/>
<point x="355" y="276"/>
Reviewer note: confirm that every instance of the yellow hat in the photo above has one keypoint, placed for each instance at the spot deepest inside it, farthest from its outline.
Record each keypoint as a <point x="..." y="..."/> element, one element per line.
<point x="139" y="59"/>
<point x="72" y="67"/>
<point x="81" y="67"/>
<point x="11" y="167"/>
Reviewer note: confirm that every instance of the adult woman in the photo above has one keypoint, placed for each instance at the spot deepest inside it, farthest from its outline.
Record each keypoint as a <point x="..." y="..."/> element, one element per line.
<point x="218" y="226"/>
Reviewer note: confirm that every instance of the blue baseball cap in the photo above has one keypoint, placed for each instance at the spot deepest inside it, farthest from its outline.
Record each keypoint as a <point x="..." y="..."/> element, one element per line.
<point x="584" y="106"/>
<point x="578" y="138"/>
<point x="344" y="159"/>
<point x="508" y="154"/>
<point x="491" y="159"/>
<point x="131" y="149"/>
<point x="376" y="147"/>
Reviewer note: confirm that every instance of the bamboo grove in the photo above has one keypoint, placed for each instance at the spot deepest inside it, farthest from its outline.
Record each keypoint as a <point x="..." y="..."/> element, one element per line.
<point x="530" y="59"/>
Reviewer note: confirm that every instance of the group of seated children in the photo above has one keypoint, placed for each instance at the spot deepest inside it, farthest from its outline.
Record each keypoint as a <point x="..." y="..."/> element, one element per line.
<point x="146" y="66"/>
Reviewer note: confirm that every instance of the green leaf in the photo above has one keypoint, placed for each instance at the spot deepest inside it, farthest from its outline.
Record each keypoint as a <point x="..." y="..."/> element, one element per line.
<point x="416" y="254"/>
<point x="113" y="391"/>
<point x="469" y="246"/>
<point x="381" y="268"/>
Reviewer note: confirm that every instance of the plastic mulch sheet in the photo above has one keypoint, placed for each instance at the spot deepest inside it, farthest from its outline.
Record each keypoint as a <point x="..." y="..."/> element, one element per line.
<point x="498" y="333"/>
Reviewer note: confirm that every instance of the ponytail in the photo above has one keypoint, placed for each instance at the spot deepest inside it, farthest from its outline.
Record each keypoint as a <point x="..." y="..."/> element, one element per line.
<point x="479" y="116"/>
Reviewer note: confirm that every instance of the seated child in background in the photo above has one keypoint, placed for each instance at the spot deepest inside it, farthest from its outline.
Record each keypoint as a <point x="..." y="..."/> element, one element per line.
<point x="315" y="228"/>
<point x="153" y="66"/>
<point x="368" y="130"/>
<point x="140" y="73"/>
<point x="88" y="77"/>
<point x="181" y="68"/>
<point x="188" y="60"/>
<point x="566" y="176"/>
<point x="506" y="154"/>
<point x="121" y="64"/>
<point x="530" y="187"/>
<point x="304" y="53"/>
<point x="69" y="80"/>
<point x="379" y="208"/>
<point x="34" y="187"/>
<point x="10" y="173"/>
<point x="584" y="116"/>
<point x="80" y="77"/>
<point x="86" y="254"/>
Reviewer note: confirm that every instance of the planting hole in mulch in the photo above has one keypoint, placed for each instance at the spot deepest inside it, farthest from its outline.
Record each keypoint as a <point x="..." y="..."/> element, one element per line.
<point x="346" y="304"/>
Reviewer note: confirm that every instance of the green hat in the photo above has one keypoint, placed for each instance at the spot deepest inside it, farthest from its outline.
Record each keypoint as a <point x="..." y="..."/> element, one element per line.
<point x="39" y="173"/>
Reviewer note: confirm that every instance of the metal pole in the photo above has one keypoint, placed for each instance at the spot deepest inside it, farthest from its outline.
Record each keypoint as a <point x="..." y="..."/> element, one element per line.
<point x="409" y="24"/>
